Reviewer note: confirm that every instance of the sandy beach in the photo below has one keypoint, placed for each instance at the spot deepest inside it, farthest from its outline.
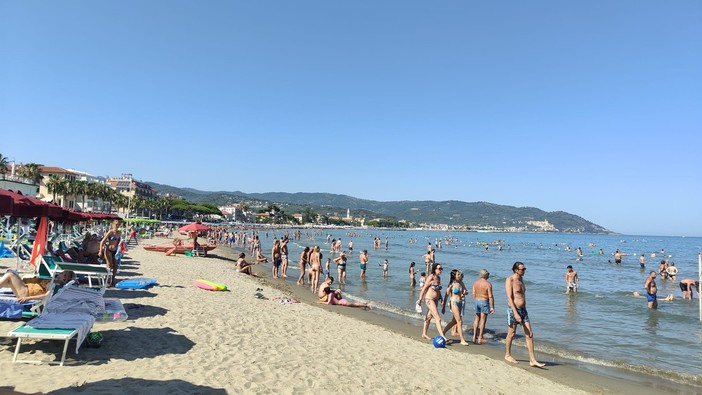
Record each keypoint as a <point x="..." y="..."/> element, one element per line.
<point x="182" y="339"/>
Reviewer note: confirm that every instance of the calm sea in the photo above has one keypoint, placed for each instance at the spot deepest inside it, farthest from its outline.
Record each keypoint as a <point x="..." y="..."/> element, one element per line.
<point x="603" y="324"/>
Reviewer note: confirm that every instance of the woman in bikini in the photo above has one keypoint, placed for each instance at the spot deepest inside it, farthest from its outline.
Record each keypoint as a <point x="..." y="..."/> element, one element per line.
<point x="454" y="294"/>
<point x="431" y="294"/>
<point x="315" y="268"/>
<point x="25" y="291"/>
<point x="303" y="266"/>
<point x="108" y="249"/>
<point x="341" y="267"/>
<point x="242" y="266"/>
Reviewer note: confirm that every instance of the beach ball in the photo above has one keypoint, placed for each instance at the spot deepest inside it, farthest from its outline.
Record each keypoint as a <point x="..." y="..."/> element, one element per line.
<point x="439" y="342"/>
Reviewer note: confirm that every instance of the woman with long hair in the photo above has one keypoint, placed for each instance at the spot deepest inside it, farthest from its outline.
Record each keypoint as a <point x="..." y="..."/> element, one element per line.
<point x="431" y="294"/>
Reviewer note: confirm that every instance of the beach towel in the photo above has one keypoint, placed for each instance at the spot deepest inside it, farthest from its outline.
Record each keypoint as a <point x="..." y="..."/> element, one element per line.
<point x="72" y="307"/>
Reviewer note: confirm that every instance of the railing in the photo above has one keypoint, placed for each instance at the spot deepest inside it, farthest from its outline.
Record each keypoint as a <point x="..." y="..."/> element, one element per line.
<point x="16" y="178"/>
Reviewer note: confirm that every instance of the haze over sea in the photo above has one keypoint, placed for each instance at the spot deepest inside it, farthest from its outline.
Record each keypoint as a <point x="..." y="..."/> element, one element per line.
<point x="602" y="325"/>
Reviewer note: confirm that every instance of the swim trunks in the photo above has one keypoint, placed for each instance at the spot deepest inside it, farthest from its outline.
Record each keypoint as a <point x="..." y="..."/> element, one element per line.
<point x="572" y="285"/>
<point x="511" y="321"/>
<point x="277" y="261"/>
<point x="683" y="287"/>
<point x="617" y="261"/>
<point x="651" y="297"/>
<point x="482" y="306"/>
<point x="363" y="266"/>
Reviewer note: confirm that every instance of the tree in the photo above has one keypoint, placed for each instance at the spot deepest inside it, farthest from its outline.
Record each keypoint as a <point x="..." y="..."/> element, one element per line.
<point x="3" y="164"/>
<point x="56" y="186"/>
<point x="309" y="216"/>
<point x="31" y="171"/>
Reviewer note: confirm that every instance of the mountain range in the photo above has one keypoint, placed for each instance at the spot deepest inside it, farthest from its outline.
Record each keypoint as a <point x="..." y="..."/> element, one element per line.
<point x="475" y="215"/>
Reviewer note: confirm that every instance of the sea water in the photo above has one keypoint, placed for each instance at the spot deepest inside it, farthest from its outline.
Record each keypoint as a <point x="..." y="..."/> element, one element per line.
<point x="603" y="324"/>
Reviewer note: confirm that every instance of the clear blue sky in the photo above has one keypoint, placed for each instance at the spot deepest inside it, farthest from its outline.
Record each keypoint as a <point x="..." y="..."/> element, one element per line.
<point x="594" y="108"/>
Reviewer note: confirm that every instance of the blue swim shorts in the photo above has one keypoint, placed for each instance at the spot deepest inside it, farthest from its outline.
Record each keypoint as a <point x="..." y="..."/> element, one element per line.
<point x="482" y="306"/>
<point x="511" y="321"/>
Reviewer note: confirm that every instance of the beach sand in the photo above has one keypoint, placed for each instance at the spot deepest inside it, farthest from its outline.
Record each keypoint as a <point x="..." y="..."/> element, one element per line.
<point x="182" y="339"/>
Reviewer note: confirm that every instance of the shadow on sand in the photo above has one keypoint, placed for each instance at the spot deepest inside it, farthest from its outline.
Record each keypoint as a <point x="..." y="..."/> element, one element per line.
<point x="139" y="386"/>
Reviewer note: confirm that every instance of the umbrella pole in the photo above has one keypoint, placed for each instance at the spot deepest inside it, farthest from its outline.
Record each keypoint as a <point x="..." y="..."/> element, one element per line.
<point x="17" y="246"/>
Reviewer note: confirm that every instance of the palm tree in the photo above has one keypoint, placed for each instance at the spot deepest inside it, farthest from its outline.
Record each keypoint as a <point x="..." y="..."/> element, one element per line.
<point x="93" y="192"/>
<point x="31" y="171"/>
<point x="3" y="164"/>
<point x="82" y="188"/>
<point x="56" y="186"/>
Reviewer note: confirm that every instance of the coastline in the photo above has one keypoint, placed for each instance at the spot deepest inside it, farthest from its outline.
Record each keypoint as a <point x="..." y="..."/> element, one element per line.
<point x="575" y="374"/>
<point x="180" y="338"/>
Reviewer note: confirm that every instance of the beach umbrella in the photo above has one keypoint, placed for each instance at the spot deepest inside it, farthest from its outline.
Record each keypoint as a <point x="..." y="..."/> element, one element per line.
<point x="39" y="241"/>
<point x="194" y="227"/>
<point x="28" y="206"/>
<point x="5" y="204"/>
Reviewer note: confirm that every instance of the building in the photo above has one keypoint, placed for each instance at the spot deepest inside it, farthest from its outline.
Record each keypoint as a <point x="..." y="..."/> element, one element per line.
<point x="127" y="186"/>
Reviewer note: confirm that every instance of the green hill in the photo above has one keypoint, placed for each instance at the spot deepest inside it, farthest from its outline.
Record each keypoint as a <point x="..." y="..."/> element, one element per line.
<point x="483" y="215"/>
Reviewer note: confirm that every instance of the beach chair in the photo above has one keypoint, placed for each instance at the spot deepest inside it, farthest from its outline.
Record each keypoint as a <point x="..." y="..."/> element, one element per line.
<point x="71" y="313"/>
<point x="11" y="308"/>
<point x="98" y="276"/>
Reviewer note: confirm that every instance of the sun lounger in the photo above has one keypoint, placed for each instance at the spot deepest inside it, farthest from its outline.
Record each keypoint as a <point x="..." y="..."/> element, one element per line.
<point x="98" y="276"/>
<point x="70" y="313"/>
<point x="24" y="331"/>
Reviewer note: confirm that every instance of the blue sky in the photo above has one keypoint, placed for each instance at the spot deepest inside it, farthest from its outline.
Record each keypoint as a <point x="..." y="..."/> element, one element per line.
<point x="593" y="108"/>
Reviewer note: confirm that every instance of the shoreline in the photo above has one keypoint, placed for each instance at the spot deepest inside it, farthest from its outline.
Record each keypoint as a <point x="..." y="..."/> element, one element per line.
<point x="181" y="338"/>
<point x="580" y="375"/>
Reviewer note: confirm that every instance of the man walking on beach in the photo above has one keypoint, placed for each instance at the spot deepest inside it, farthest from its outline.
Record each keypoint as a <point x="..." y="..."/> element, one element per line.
<point x="484" y="304"/>
<point x="517" y="314"/>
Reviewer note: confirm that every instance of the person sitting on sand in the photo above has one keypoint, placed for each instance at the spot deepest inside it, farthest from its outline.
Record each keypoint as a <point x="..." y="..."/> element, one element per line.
<point x="32" y="291"/>
<point x="335" y="298"/>
<point x="324" y="296"/>
<point x="260" y="258"/>
<point x="242" y="266"/>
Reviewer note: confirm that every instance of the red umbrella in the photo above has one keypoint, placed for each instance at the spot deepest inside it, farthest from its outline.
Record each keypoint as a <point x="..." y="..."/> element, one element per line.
<point x="39" y="242"/>
<point x="27" y="206"/>
<point x="5" y="204"/>
<point x="194" y="227"/>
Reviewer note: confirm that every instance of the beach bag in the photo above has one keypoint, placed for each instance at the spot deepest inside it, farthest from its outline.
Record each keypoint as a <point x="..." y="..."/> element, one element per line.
<point x="94" y="340"/>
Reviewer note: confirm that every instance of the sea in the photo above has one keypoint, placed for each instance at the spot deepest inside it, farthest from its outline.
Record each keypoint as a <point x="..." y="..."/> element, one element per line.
<point x="602" y="325"/>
